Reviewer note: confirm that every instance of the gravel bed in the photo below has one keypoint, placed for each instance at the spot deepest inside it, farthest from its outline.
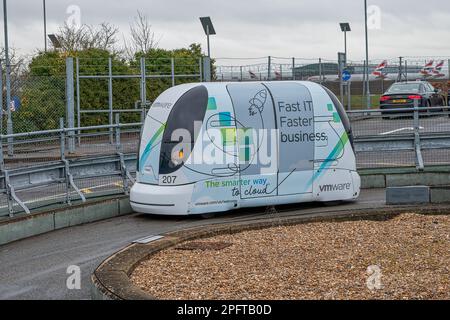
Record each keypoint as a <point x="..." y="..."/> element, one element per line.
<point x="407" y="257"/>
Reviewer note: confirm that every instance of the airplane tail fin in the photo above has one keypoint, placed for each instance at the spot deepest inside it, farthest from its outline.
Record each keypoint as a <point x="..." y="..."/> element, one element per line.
<point x="379" y="70"/>
<point x="427" y="68"/>
<point x="437" y="71"/>
<point x="439" y="66"/>
<point x="382" y="65"/>
<point x="278" y="75"/>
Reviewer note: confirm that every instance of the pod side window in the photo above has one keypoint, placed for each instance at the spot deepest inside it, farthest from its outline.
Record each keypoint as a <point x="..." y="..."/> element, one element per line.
<point x="342" y="114"/>
<point x="187" y="111"/>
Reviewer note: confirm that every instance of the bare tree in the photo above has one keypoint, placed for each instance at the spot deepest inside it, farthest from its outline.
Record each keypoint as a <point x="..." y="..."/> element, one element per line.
<point x="73" y="38"/>
<point x="104" y="37"/>
<point x="17" y="65"/>
<point x="142" y="36"/>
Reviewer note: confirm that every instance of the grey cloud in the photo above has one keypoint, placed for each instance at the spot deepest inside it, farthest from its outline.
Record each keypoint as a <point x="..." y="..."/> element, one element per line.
<point x="256" y="28"/>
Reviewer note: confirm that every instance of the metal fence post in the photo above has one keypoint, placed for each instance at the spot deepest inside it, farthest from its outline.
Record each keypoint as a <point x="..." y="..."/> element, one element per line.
<point x="70" y="103"/>
<point x="320" y="70"/>
<point x="400" y="70"/>
<point x="2" y="161"/>
<point x="143" y="114"/>
<point x="269" y="66"/>
<point x="77" y="74"/>
<point x="207" y="69"/>
<point x="117" y="127"/>
<point x="9" y="122"/>
<point x="293" y="68"/>
<point x="406" y="70"/>
<point x="448" y="98"/>
<point x="110" y="100"/>
<point x="417" y="145"/>
<point x="143" y="82"/>
<point x="364" y="82"/>
<point x="63" y="159"/>
<point x="172" y="66"/>
<point x="349" y="95"/>
<point x="62" y="139"/>
<point x="1" y="97"/>
<point x="200" y="69"/>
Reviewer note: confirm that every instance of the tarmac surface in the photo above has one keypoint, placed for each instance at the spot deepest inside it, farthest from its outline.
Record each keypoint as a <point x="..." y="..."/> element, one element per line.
<point x="36" y="268"/>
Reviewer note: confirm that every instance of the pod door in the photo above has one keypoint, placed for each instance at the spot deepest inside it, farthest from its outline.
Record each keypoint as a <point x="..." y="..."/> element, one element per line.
<point x="256" y="139"/>
<point x="297" y="137"/>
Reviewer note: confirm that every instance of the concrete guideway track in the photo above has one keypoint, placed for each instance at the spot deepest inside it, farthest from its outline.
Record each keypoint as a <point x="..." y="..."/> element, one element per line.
<point x="35" y="268"/>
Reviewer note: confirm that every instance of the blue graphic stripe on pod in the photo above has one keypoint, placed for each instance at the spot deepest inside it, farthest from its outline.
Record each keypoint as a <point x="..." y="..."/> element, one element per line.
<point x="331" y="157"/>
<point x="149" y="146"/>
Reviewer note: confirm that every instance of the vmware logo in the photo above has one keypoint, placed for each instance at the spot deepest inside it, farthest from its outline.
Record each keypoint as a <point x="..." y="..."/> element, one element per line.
<point x="335" y="187"/>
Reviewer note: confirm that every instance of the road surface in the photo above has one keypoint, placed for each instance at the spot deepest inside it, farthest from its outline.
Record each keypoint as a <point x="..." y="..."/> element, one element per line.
<point x="35" y="268"/>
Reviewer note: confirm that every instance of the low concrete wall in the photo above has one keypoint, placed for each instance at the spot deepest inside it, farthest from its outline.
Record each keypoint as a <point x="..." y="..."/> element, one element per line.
<point x="403" y="177"/>
<point x="111" y="279"/>
<point x="440" y="195"/>
<point x="25" y="226"/>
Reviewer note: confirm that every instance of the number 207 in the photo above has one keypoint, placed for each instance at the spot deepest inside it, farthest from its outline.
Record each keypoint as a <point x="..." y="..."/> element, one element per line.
<point x="168" y="179"/>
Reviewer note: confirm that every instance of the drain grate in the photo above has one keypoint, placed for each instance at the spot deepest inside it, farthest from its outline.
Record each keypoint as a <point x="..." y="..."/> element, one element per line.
<point x="148" y="239"/>
<point x="204" y="246"/>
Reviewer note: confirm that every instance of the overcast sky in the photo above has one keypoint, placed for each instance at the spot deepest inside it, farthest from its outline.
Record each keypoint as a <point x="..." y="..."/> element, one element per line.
<point x="250" y="28"/>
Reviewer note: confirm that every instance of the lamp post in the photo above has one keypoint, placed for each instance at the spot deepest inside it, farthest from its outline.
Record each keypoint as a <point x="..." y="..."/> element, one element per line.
<point x="345" y="27"/>
<point x="45" y="25"/>
<point x="367" y="56"/>
<point x="8" y="68"/>
<point x="209" y="30"/>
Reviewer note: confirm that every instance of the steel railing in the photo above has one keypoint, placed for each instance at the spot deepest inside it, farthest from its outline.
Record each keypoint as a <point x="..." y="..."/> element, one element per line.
<point x="63" y="165"/>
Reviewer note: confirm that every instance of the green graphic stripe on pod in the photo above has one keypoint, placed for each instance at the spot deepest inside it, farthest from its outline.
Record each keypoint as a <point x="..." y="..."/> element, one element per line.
<point x="149" y="146"/>
<point x="331" y="157"/>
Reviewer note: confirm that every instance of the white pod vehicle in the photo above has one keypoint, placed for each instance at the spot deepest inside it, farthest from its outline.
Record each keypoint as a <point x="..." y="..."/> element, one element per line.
<point x="212" y="147"/>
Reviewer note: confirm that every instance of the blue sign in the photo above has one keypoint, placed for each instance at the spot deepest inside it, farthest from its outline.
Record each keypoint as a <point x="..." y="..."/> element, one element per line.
<point x="15" y="104"/>
<point x="346" y="75"/>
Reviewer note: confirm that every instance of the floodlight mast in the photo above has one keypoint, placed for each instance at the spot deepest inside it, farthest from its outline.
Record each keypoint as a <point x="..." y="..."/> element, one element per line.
<point x="345" y="27"/>
<point x="55" y="42"/>
<point x="209" y="30"/>
<point x="207" y="41"/>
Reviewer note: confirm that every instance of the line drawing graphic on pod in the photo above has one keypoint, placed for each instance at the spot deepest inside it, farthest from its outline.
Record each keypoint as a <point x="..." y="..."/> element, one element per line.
<point x="257" y="102"/>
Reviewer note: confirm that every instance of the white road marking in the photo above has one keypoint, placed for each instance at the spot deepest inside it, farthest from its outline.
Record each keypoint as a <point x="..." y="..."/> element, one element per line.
<point x="399" y="130"/>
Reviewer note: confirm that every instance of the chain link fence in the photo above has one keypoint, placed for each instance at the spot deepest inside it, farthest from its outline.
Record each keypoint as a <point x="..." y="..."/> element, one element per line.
<point x="44" y="160"/>
<point x="382" y="74"/>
